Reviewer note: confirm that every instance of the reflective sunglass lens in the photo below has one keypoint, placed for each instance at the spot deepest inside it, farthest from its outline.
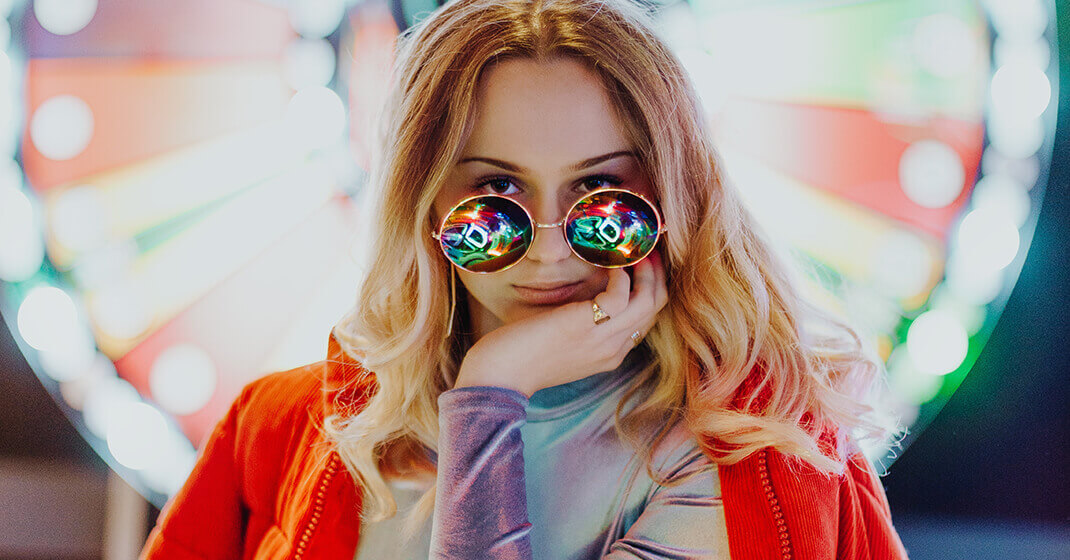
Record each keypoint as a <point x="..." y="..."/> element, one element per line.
<point x="612" y="228"/>
<point x="486" y="234"/>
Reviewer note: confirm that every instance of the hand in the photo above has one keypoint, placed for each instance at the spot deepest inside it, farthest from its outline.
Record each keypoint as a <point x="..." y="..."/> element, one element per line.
<point x="563" y="344"/>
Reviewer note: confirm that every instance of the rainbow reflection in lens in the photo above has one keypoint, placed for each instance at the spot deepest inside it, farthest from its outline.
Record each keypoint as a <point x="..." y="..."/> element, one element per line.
<point x="612" y="228"/>
<point x="486" y="234"/>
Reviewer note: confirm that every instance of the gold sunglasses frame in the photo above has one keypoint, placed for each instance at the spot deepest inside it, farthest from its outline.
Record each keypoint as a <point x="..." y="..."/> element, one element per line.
<point x="561" y="224"/>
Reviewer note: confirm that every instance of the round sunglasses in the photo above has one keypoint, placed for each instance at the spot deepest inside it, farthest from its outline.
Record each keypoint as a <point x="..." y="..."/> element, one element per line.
<point x="608" y="227"/>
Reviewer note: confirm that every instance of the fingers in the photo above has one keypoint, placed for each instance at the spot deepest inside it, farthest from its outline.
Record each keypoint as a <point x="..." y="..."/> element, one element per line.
<point x="634" y="304"/>
<point x="648" y="297"/>
<point x="615" y="299"/>
<point x="661" y="287"/>
<point x="645" y="277"/>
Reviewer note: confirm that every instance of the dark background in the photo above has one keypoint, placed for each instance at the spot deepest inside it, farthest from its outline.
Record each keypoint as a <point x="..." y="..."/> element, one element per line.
<point x="999" y="448"/>
<point x="995" y="457"/>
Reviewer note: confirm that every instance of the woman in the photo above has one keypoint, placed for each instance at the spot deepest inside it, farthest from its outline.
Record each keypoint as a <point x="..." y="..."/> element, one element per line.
<point x="625" y="369"/>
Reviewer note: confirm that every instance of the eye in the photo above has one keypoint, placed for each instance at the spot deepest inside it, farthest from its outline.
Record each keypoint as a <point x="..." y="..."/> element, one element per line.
<point x="495" y="185"/>
<point x="501" y="185"/>
<point x="595" y="182"/>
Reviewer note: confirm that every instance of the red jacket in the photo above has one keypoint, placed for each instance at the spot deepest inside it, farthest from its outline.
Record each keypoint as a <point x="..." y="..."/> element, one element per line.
<point x="267" y="485"/>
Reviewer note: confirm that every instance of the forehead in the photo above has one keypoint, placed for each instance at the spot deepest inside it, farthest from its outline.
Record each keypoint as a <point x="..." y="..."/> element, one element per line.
<point x="543" y="115"/>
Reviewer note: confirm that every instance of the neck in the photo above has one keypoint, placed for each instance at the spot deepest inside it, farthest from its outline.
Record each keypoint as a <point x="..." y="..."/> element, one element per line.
<point x="483" y="321"/>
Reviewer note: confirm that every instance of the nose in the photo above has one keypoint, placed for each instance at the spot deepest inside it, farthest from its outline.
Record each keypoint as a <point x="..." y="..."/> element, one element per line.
<point x="549" y="243"/>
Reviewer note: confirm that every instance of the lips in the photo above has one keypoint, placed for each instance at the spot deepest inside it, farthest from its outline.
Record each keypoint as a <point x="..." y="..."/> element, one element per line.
<point x="552" y="294"/>
<point x="546" y="285"/>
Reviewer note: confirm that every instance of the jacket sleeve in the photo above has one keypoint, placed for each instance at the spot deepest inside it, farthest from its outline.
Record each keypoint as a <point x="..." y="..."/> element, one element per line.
<point x="779" y="507"/>
<point x="866" y="529"/>
<point x="212" y="494"/>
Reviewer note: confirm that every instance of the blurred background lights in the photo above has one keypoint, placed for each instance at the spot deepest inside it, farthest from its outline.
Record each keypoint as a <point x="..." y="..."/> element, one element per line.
<point x="166" y="476"/>
<point x="77" y="218"/>
<point x="1000" y="192"/>
<point x="70" y="362"/>
<point x="870" y="310"/>
<point x="971" y="316"/>
<point x="120" y="310"/>
<point x="316" y="117"/>
<point x="21" y="246"/>
<point x="309" y="62"/>
<point x="1024" y="170"/>
<point x="944" y="45"/>
<point x="61" y="127"/>
<point x="100" y="269"/>
<point x="901" y="265"/>
<point x="1020" y="91"/>
<point x="76" y="389"/>
<point x="101" y="401"/>
<point x="137" y="435"/>
<point x="701" y="68"/>
<point x="48" y="319"/>
<point x="316" y="18"/>
<point x="182" y="379"/>
<point x="10" y="175"/>
<point x="5" y="35"/>
<point x="6" y="74"/>
<point x="1018" y="19"/>
<point x="908" y="381"/>
<point x="987" y="236"/>
<point x="972" y="281"/>
<point x="161" y="226"/>
<point x="931" y="173"/>
<point x="1032" y="52"/>
<point x="1016" y="138"/>
<point x="937" y="342"/>
<point x="64" y="17"/>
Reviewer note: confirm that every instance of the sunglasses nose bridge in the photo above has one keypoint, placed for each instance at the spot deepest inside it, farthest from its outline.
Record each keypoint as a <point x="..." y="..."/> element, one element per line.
<point x="548" y="249"/>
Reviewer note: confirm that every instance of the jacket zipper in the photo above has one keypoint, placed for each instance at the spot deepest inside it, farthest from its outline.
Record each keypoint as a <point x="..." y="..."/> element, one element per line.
<point x="774" y="504"/>
<point x="317" y="507"/>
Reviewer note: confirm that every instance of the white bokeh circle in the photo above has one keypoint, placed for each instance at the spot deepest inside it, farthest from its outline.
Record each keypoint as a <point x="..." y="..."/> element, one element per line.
<point x="61" y="127"/>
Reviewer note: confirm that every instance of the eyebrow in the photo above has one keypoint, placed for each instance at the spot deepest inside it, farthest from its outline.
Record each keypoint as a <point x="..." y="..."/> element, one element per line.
<point x="589" y="162"/>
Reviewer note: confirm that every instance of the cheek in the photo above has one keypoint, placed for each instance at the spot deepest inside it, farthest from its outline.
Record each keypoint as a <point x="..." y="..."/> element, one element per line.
<point x="438" y="209"/>
<point x="486" y="288"/>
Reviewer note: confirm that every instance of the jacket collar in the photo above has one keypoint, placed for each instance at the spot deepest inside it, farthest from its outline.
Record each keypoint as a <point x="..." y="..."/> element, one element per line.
<point x="346" y="383"/>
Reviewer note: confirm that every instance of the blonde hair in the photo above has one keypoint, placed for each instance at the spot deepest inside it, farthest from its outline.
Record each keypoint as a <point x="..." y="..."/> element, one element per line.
<point x="738" y="352"/>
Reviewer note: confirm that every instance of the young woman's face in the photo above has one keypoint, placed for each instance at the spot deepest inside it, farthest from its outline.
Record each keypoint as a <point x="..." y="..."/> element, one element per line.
<point x="534" y="123"/>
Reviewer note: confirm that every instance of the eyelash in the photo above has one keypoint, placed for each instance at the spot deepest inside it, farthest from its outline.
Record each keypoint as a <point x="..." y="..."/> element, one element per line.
<point x="611" y="179"/>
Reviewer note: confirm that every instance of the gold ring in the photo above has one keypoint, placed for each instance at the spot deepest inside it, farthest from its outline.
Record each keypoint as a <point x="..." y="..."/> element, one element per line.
<point x="637" y="338"/>
<point x="599" y="315"/>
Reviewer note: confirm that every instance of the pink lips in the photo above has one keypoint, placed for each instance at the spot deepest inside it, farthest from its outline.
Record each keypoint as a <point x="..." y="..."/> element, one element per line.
<point x="538" y="296"/>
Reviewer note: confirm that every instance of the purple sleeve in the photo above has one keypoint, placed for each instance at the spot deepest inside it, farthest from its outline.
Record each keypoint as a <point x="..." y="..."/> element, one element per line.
<point x="481" y="508"/>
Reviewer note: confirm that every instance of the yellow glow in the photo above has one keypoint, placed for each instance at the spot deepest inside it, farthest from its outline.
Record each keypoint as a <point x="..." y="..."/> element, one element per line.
<point x="179" y="271"/>
<point x="831" y="229"/>
<point x="146" y="194"/>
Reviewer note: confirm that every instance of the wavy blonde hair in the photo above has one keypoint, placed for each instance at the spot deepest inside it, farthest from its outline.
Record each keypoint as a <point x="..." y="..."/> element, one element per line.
<point x="738" y="352"/>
